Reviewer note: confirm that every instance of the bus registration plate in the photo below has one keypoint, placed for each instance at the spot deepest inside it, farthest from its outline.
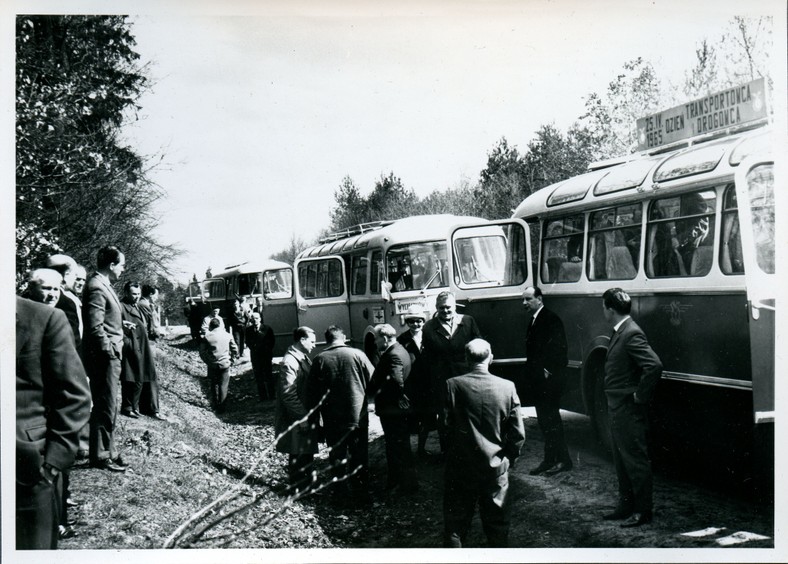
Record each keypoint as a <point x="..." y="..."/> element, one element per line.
<point x="404" y="305"/>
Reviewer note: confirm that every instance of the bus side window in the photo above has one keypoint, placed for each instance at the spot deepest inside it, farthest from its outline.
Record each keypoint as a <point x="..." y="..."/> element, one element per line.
<point x="681" y="235"/>
<point x="614" y="243"/>
<point x="563" y="249"/>
<point x="731" y="261"/>
<point x="358" y="274"/>
<point x="376" y="274"/>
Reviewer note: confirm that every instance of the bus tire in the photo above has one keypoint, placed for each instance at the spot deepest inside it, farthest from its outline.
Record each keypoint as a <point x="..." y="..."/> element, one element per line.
<point x="595" y="380"/>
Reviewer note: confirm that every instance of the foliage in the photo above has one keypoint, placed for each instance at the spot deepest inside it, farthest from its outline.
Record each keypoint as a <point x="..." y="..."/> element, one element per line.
<point x="389" y="199"/>
<point x="77" y="186"/>
<point x="288" y="255"/>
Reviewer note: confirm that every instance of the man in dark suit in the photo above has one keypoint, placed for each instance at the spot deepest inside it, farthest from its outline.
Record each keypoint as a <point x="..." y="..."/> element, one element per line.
<point x="52" y="405"/>
<point x="344" y="372"/>
<point x="482" y="414"/>
<point x="443" y="350"/>
<point x="261" y="340"/>
<point x="102" y="347"/>
<point x="392" y="406"/>
<point x="632" y="370"/>
<point x="545" y="380"/>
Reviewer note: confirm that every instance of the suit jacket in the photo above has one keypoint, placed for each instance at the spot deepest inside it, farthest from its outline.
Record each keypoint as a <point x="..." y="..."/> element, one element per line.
<point x="486" y="433"/>
<point x="545" y="344"/>
<point x="388" y="380"/>
<point x="345" y="373"/>
<point x="631" y="366"/>
<point x="71" y="306"/>
<point x="260" y="342"/>
<point x="52" y="393"/>
<point x="138" y="363"/>
<point x="218" y="349"/>
<point x="101" y="314"/>
<point x="446" y="352"/>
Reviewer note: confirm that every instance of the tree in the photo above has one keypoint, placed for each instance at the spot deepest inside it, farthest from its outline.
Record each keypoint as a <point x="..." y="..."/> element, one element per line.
<point x="608" y="124"/>
<point x="349" y="208"/>
<point x="500" y="182"/>
<point x="289" y="254"/>
<point x="77" y="186"/>
<point x="390" y="200"/>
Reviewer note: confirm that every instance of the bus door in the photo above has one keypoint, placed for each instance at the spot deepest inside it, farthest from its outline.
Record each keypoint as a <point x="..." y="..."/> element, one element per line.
<point x="279" y="306"/>
<point x="490" y="266"/>
<point x="322" y="293"/>
<point x="755" y="196"/>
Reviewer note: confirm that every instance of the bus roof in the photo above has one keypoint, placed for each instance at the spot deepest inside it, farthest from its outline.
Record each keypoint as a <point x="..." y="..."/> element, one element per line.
<point x="407" y="230"/>
<point x="709" y="160"/>
<point x="251" y="267"/>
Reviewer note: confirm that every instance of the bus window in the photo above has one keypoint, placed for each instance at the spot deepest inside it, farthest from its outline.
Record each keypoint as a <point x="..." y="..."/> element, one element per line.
<point x="614" y="243"/>
<point x="321" y="278"/>
<point x="681" y="235"/>
<point x="417" y="266"/>
<point x="562" y="249"/>
<point x="249" y="284"/>
<point x="358" y="274"/>
<point x="278" y="284"/>
<point x="760" y="184"/>
<point x="376" y="274"/>
<point x="490" y="256"/>
<point x="214" y="289"/>
<point x="731" y="260"/>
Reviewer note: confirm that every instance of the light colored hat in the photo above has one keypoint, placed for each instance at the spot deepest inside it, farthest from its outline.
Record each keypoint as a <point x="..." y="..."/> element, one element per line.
<point x="415" y="311"/>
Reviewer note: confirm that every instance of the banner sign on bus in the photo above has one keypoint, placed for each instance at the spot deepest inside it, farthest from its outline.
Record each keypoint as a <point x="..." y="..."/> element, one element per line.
<point x="731" y="107"/>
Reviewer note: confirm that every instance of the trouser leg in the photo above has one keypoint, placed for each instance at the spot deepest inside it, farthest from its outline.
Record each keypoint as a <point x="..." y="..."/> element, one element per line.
<point x="37" y="516"/>
<point x="104" y="381"/>
<point x="628" y="425"/>
<point x="149" y="397"/>
<point x="299" y="470"/>
<point x="548" y="415"/>
<point x="459" y="502"/>
<point x="493" y="511"/>
<point x="130" y="393"/>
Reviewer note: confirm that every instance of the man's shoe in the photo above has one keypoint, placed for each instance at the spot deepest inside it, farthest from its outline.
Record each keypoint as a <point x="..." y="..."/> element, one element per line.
<point x="130" y="413"/>
<point x="71" y="502"/>
<point x="618" y="514"/>
<point x="638" y="519"/>
<point x="158" y="416"/>
<point x="557" y="468"/>
<point x="64" y="532"/>
<point x="543" y="467"/>
<point x="108" y="464"/>
<point x="118" y="460"/>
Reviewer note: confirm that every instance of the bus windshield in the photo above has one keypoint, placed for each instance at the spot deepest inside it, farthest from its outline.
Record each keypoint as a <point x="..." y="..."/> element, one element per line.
<point x="417" y="266"/>
<point x="490" y="256"/>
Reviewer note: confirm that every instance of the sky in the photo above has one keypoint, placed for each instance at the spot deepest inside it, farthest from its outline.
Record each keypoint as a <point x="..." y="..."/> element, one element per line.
<point x="258" y="111"/>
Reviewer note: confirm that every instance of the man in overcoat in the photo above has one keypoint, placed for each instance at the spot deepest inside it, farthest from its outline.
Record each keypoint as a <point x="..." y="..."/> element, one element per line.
<point x="52" y="405"/>
<point x="545" y="380"/>
<point x="102" y="350"/>
<point x="632" y="370"/>
<point x="482" y="415"/>
<point x="342" y="373"/>
<point x="392" y="405"/>
<point x="300" y="442"/>
<point x="422" y="416"/>
<point x="138" y="365"/>
<point x="443" y="350"/>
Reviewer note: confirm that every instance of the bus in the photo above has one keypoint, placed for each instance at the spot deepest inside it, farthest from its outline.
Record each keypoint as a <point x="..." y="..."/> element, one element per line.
<point x="265" y="286"/>
<point x="687" y="230"/>
<point x="374" y="273"/>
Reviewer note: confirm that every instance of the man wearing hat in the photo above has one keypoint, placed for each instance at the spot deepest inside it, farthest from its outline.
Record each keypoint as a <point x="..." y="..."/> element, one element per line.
<point x="422" y="418"/>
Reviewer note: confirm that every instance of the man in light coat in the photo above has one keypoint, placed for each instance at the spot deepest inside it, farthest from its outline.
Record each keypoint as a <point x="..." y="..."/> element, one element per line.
<point x="486" y="433"/>
<point x="219" y="351"/>
<point x="300" y="442"/>
<point x="102" y="350"/>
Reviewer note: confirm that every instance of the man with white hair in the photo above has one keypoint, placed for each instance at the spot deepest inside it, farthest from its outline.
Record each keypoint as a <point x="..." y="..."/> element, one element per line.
<point x="69" y="302"/>
<point x="485" y="435"/>
<point x="43" y="286"/>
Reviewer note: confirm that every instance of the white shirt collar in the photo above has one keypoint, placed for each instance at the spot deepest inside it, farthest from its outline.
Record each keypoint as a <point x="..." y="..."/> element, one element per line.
<point x="617" y="325"/>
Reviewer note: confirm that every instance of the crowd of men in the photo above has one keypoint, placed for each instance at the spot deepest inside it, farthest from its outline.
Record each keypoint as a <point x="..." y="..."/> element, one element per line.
<point x="76" y="344"/>
<point x="433" y="377"/>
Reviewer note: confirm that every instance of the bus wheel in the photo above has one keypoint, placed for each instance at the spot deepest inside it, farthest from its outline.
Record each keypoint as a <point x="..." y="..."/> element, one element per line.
<point x="599" y="415"/>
